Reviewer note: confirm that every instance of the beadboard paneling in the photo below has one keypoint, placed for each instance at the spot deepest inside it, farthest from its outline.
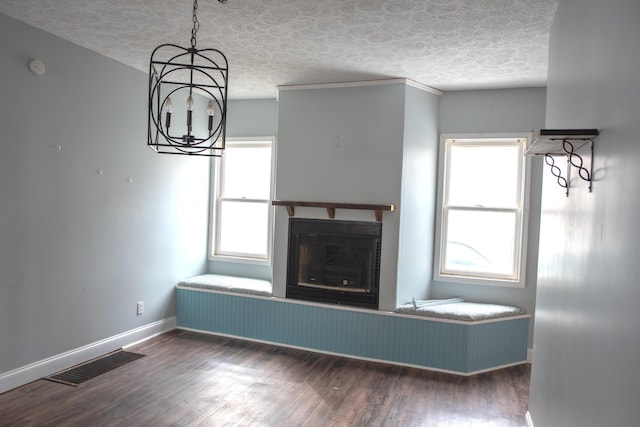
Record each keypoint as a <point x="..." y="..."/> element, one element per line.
<point x="449" y="346"/>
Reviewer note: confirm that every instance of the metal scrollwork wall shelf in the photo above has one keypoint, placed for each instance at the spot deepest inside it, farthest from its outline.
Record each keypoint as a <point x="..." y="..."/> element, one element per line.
<point x="565" y="142"/>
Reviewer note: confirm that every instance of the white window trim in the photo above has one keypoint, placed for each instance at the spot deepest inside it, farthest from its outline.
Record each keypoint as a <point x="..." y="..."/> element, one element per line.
<point x="213" y="197"/>
<point x="525" y="191"/>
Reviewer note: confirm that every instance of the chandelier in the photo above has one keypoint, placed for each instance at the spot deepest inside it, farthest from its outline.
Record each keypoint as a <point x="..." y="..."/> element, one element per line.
<point x="195" y="77"/>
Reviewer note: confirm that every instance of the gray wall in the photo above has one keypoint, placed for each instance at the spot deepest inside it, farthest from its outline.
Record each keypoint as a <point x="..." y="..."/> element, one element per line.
<point x="586" y="346"/>
<point x="503" y="110"/>
<point x="79" y="249"/>
<point x="248" y="118"/>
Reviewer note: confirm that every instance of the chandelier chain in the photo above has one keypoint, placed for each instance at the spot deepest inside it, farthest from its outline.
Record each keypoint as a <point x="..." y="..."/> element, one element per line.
<point x="196" y="24"/>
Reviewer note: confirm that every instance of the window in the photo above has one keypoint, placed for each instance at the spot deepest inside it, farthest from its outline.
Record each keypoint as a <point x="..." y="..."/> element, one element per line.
<point x="482" y="217"/>
<point x="241" y="201"/>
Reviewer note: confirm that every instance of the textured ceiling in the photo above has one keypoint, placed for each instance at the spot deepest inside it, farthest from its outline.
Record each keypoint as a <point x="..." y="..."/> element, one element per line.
<point x="446" y="44"/>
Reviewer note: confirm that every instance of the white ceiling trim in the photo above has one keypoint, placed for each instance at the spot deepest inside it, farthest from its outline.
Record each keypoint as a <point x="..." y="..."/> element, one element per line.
<point x="379" y="82"/>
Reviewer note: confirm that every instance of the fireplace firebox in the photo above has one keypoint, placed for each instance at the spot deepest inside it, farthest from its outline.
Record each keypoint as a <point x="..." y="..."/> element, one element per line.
<point x="336" y="262"/>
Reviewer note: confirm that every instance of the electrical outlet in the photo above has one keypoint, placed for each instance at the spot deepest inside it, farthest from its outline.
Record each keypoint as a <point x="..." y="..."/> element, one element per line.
<point x="140" y="308"/>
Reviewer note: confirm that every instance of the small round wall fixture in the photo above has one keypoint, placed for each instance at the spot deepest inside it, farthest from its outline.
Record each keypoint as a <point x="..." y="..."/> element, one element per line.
<point x="37" y="67"/>
<point x="189" y="74"/>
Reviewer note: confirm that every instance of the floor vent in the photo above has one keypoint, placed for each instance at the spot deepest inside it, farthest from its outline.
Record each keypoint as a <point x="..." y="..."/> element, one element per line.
<point x="81" y="373"/>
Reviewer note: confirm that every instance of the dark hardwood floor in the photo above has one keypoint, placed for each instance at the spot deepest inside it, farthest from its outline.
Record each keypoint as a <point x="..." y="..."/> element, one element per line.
<point x="190" y="379"/>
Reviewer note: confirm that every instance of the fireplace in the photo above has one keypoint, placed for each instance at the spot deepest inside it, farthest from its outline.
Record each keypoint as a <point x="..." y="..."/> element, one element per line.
<point x="336" y="262"/>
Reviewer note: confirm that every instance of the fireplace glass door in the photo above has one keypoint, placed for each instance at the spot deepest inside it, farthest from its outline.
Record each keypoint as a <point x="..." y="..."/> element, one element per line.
<point x="334" y="261"/>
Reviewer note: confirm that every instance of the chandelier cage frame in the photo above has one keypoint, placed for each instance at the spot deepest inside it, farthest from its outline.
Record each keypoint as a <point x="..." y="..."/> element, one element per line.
<point x="174" y="71"/>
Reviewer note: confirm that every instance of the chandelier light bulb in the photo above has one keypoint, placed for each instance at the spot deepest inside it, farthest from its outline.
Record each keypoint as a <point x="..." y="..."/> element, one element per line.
<point x="210" y="112"/>
<point x="189" y="115"/>
<point x="168" y="105"/>
<point x="168" y="108"/>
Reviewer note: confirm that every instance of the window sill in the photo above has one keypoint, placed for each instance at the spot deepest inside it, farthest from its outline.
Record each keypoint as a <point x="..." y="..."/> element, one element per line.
<point x="240" y="260"/>
<point x="466" y="280"/>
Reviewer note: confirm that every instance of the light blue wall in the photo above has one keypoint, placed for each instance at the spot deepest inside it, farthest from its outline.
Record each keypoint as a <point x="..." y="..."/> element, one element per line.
<point x="499" y="110"/>
<point x="78" y="248"/>
<point x="502" y="110"/>
<point x="368" y="144"/>
<point x="252" y="117"/>
<point x="247" y="119"/>
<point x="341" y="145"/>
<point x="308" y="146"/>
<point x="418" y="195"/>
<point x="586" y="346"/>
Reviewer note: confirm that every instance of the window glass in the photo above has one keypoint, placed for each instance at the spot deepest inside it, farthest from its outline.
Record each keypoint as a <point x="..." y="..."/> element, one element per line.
<point x="241" y="208"/>
<point x="483" y="175"/>
<point x="481" y="230"/>
<point x="481" y="241"/>
<point x="247" y="171"/>
<point x="243" y="228"/>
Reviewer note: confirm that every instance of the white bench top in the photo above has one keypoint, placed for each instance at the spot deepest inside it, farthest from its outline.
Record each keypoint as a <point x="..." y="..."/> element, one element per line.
<point x="219" y="282"/>
<point x="459" y="309"/>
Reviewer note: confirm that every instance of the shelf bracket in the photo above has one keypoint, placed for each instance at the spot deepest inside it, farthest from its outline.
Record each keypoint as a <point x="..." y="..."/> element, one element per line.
<point x="576" y="161"/>
<point x="573" y="159"/>
<point x="565" y="142"/>
<point x="555" y="171"/>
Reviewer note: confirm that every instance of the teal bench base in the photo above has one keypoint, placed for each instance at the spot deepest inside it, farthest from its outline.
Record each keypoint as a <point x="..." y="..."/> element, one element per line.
<point x="458" y="347"/>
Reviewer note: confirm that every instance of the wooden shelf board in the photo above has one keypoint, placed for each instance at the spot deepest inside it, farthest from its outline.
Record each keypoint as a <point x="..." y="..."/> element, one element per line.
<point x="549" y="141"/>
<point x="332" y="206"/>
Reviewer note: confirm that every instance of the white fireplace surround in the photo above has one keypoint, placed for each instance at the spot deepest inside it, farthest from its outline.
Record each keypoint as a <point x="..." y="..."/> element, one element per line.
<point x="367" y="143"/>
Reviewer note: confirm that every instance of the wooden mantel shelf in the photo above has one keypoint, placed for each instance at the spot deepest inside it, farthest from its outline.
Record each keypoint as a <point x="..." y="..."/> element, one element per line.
<point x="332" y="206"/>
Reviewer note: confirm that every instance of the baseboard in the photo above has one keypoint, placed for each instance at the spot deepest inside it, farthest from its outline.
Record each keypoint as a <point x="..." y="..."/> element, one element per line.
<point x="528" y="419"/>
<point x="34" y="371"/>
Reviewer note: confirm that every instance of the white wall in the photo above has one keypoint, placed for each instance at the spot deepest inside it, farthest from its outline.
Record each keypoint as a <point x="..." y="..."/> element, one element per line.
<point x="78" y="248"/>
<point x="586" y="346"/>
<point x="501" y="110"/>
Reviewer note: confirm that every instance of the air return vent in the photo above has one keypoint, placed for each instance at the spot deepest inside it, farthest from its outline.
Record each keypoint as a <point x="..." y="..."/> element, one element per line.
<point x="81" y="373"/>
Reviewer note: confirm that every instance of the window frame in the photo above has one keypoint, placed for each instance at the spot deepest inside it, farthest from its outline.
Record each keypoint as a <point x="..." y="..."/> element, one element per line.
<point x="439" y="273"/>
<point x="216" y="177"/>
